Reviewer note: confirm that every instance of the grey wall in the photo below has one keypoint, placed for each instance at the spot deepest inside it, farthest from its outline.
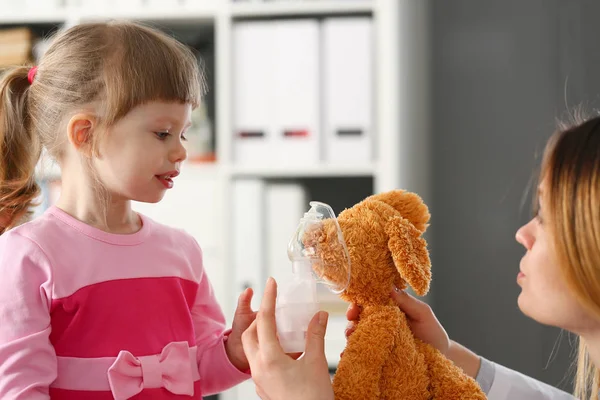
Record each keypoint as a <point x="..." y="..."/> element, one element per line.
<point x="499" y="72"/>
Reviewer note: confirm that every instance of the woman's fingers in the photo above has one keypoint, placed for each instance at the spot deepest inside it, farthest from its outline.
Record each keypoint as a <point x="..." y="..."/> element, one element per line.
<point x="250" y="341"/>
<point x="350" y="328"/>
<point x="413" y="308"/>
<point x="353" y="312"/>
<point x="266" y="325"/>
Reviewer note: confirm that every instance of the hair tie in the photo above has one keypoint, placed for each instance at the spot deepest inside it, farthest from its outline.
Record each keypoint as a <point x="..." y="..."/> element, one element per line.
<point x="31" y="74"/>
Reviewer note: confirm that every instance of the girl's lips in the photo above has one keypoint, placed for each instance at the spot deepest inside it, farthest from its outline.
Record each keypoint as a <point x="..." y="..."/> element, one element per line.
<point x="165" y="180"/>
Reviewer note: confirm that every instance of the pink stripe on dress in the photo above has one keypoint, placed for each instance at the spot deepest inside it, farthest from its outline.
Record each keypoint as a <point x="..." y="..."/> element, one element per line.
<point x="139" y="315"/>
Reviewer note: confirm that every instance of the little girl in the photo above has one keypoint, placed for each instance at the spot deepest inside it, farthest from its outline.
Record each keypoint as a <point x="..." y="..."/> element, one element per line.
<point x="97" y="301"/>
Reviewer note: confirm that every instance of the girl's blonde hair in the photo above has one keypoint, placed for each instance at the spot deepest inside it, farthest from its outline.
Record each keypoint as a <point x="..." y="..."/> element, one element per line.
<point x="116" y="66"/>
<point x="571" y="172"/>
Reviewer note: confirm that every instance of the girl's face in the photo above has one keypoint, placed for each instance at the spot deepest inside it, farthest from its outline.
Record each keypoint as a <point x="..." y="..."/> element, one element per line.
<point x="545" y="296"/>
<point x="142" y="153"/>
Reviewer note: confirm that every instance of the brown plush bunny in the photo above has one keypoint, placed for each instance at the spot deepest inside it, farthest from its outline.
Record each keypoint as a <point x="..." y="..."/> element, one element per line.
<point x="382" y="359"/>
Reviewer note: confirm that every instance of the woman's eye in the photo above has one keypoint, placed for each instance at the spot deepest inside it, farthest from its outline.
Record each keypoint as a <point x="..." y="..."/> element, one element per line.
<point x="162" y="135"/>
<point x="183" y="137"/>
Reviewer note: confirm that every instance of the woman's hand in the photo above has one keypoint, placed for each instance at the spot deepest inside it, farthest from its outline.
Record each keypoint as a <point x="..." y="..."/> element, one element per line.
<point x="421" y="319"/>
<point x="425" y="326"/>
<point x="277" y="375"/>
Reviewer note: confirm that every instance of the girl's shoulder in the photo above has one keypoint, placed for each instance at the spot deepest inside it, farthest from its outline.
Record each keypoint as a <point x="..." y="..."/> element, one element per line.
<point x="170" y="235"/>
<point x="24" y="256"/>
<point x="165" y="238"/>
<point x="35" y="230"/>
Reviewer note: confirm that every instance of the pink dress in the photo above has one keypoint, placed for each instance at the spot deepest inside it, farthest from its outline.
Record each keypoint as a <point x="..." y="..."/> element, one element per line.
<point x="86" y="314"/>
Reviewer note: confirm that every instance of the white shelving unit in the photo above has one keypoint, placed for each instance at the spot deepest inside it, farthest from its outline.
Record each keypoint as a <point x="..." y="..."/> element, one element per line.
<point x="243" y="9"/>
<point x="401" y="104"/>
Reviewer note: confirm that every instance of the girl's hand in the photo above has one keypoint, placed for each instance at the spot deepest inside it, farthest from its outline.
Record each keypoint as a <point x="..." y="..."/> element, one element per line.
<point x="243" y="318"/>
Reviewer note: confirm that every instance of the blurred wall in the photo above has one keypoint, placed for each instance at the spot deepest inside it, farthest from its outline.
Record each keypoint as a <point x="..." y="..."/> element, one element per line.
<point x="502" y="72"/>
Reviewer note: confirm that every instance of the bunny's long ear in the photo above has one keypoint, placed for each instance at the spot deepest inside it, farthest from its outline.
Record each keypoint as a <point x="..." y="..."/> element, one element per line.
<point x="409" y="252"/>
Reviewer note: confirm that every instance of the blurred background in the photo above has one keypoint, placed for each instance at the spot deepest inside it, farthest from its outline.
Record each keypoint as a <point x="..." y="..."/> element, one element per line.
<point x="335" y="100"/>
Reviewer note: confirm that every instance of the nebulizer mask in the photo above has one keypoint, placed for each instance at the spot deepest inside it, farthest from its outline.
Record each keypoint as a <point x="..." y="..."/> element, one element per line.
<point x="316" y="248"/>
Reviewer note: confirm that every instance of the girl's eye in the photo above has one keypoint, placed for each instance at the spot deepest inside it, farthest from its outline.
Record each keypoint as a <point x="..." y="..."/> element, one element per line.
<point x="162" y="135"/>
<point x="183" y="137"/>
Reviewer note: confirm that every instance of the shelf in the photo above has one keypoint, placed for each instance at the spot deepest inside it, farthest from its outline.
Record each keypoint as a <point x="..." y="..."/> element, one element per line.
<point x="194" y="14"/>
<point x="26" y="18"/>
<point x="314" y="171"/>
<point x="301" y="8"/>
<point x="178" y="15"/>
<point x="175" y="15"/>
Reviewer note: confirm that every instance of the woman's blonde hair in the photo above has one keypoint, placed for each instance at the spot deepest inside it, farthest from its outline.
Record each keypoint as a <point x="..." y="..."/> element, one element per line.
<point x="115" y="66"/>
<point x="571" y="174"/>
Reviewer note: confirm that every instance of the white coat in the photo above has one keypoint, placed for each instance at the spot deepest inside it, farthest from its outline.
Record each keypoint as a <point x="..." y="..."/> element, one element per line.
<point x="501" y="383"/>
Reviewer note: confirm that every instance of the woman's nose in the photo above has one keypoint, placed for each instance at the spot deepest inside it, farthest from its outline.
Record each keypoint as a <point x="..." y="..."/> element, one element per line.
<point x="525" y="236"/>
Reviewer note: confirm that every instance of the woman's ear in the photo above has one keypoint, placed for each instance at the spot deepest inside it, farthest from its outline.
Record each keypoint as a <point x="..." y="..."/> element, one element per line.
<point x="80" y="131"/>
<point x="409" y="252"/>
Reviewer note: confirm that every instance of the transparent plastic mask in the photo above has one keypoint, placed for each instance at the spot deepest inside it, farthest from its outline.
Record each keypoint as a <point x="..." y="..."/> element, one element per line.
<point x="319" y="242"/>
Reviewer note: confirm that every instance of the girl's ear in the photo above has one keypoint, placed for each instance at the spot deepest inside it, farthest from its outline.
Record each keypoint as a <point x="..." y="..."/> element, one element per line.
<point x="80" y="132"/>
<point x="410" y="255"/>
